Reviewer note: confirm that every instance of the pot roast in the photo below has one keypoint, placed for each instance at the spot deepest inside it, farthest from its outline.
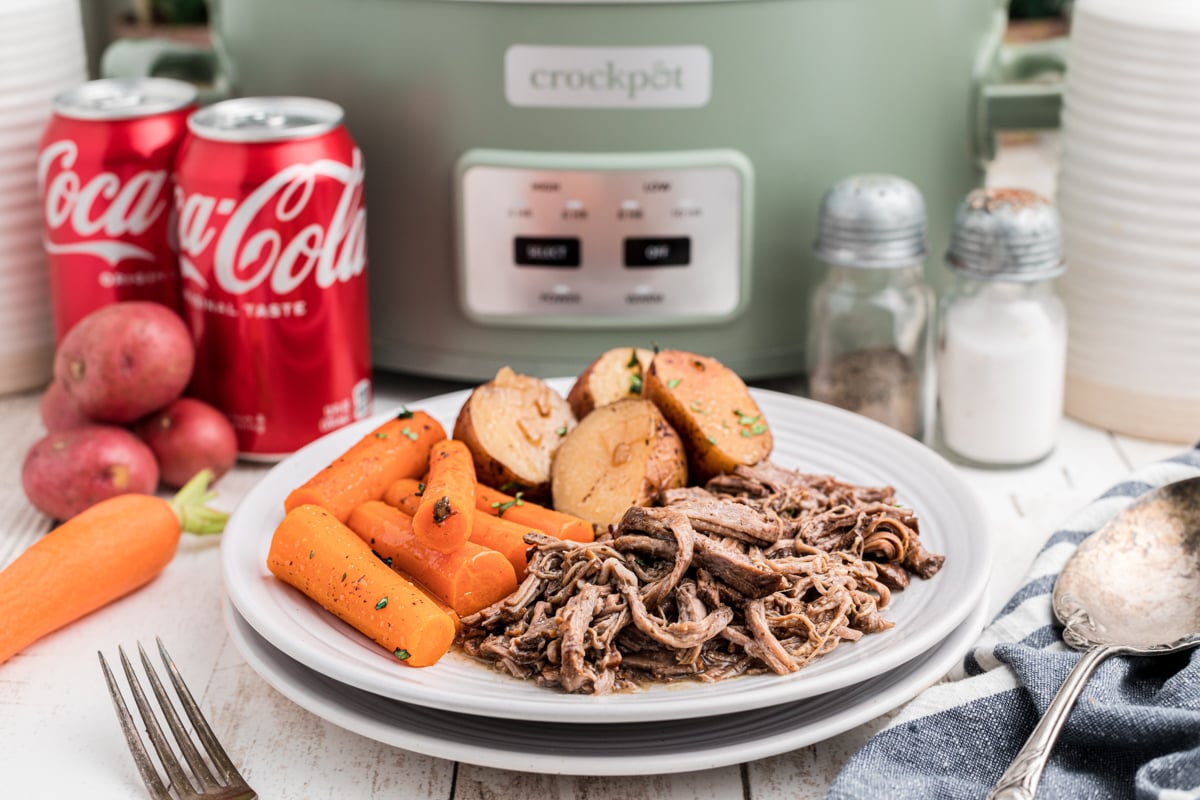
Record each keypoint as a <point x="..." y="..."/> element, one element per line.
<point x="762" y="569"/>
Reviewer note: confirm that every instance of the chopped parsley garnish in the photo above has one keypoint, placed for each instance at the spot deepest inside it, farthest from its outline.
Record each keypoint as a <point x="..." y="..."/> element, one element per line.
<point x="635" y="384"/>
<point x="752" y="426"/>
<point x="381" y="435"/>
<point x="561" y="431"/>
<point x="420" y="488"/>
<point x="402" y="654"/>
<point x="312" y="553"/>
<point x="633" y="359"/>
<point x="711" y="440"/>
<point x="409" y="433"/>
<point x="502" y="507"/>
<point x="404" y="413"/>
<point x="382" y="603"/>
<point x="671" y="384"/>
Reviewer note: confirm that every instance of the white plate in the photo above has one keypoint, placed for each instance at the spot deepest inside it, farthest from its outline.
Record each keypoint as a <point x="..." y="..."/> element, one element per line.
<point x="808" y="435"/>
<point x="636" y="748"/>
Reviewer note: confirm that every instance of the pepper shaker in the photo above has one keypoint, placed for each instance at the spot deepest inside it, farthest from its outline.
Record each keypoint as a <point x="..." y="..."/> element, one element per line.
<point x="868" y="345"/>
<point x="1002" y="338"/>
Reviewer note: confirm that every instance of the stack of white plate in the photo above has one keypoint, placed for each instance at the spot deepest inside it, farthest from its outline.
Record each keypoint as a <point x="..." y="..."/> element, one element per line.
<point x="41" y="54"/>
<point x="462" y="710"/>
<point x="1129" y="194"/>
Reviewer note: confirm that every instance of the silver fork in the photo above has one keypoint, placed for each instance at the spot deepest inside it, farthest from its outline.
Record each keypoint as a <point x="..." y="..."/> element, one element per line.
<point x="227" y="784"/>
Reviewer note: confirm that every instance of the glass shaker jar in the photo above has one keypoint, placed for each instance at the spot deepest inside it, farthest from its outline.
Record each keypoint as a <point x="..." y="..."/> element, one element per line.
<point x="1002" y="338"/>
<point x="868" y="346"/>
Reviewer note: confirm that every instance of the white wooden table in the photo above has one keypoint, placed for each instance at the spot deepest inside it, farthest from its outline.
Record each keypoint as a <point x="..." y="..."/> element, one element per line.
<point x="59" y="737"/>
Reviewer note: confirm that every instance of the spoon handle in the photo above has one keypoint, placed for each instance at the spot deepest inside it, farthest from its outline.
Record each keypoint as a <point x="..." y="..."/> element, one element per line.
<point x="1020" y="780"/>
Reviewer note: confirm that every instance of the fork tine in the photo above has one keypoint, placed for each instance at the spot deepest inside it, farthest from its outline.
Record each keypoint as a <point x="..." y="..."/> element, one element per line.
<point x="190" y="753"/>
<point x="217" y="753"/>
<point x="140" y="756"/>
<point x="165" y="755"/>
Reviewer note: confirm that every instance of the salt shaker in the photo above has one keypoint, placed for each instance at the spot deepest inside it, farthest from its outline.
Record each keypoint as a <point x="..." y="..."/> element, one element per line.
<point x="1002" y="338"/>
<point x="868" y="346"/>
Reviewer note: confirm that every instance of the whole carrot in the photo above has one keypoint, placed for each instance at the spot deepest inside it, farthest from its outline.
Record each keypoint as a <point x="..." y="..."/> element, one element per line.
<point x="467" y="579"/>
<point x="399" y="448"/>
<point x="103" y="553"/>
<point x="317" y="554"/>
<point x="518" y="509"/>
<point x="446" y="509"/>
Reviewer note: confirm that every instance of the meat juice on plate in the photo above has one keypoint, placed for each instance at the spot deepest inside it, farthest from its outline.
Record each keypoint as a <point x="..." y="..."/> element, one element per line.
<point x="272" y="230"/>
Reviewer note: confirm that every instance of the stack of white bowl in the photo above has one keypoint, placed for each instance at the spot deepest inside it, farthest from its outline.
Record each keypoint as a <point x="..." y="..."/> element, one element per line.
<point x="1129" y="195"/>
<point x="41" y="54"/>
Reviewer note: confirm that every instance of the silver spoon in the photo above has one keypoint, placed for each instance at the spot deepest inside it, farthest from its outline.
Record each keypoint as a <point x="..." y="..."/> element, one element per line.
<point x="1131" y="587"/>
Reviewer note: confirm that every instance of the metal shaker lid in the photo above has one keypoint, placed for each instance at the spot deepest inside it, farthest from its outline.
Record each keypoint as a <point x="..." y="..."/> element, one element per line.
<point x="1007" y="234"/>
<point x="871" y="221"/>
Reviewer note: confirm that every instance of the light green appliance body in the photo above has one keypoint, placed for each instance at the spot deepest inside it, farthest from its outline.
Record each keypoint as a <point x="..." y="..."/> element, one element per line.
<point x="808" y="91"/>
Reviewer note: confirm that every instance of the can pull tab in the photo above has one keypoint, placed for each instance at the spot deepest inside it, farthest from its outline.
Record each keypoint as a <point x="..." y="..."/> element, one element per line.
<point x="257" y="120"/>
<point x="267" y="119"/>
<point x="118" y="101"/>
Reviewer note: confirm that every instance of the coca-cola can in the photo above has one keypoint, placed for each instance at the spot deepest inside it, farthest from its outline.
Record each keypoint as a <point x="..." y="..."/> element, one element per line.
<point x="104" y="170"/>
<point x="272" y="227"/>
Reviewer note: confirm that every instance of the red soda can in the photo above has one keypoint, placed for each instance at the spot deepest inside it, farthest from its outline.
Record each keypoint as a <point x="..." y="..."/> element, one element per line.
<point x="272" y="227"/>
<point x="105" y="167"/>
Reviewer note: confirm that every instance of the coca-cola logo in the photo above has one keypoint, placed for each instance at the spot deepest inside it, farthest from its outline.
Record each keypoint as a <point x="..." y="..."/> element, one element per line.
<point x="250" y="249"/>
<point x="103" y="212"/>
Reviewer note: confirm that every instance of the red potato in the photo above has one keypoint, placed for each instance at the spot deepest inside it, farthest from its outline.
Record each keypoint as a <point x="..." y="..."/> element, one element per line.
<point x="58" y="411"/>
<point x="187" y="436"/>
<point x="68" y="471"/>
<point x="125" y="360"/>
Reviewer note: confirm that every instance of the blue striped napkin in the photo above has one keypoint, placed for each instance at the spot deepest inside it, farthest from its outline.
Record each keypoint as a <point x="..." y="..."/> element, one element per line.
<point x="1134" y="733"/>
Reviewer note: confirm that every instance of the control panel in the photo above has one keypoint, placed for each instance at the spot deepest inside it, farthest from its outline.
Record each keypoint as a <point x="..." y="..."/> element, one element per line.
<point x="588" y="240"/>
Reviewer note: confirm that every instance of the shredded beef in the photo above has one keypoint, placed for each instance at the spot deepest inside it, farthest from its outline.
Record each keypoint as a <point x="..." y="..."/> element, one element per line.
<point x="762" y="569"/>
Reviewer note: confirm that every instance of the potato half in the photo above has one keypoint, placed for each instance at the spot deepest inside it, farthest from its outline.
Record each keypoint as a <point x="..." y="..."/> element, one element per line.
<point x="616" y="375"/>
<point x="512" y="425"/>
<point x="711" y="408"/>
<point x="620" y="455"/>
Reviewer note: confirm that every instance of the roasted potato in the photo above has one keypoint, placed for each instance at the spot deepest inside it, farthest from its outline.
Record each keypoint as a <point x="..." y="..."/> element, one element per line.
<point x="616" y="375"/>
<point x="620" y="455"/>
<point x="711" y="408"/>
<point x="513" y="424"/>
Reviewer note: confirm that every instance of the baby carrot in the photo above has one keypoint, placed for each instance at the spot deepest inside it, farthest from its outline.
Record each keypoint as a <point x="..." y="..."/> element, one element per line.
<point x="446" y="509"/>
<point x="487" y="530"/>
<point x="519" y="510"/>
<point x="399" y="448"/>
<point x="102" y="553"/>
<point x="314" y="552"/>
<point x="467" y="579"/>
<point x="405" y="494"/>
<point x="505" y="537"/>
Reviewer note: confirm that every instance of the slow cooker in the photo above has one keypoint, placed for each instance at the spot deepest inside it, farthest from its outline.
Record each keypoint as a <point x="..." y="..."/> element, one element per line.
<point x="549" y="179"/>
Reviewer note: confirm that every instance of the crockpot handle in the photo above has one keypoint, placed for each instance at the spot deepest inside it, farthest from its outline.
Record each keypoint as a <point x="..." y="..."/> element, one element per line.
<point x="164" y="58"/>
<point x="1022" y="90"/>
